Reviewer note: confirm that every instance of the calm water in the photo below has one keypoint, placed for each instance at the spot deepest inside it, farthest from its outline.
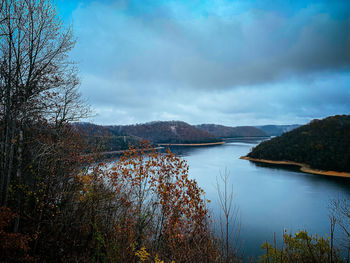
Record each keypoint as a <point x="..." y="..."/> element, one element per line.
<point x="269" y="198"/>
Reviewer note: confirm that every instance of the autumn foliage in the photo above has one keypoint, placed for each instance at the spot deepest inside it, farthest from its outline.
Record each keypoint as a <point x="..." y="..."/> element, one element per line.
<point x="76" y="209"/>
<point x="14" y="247"/>
<point x="166" y="209"/>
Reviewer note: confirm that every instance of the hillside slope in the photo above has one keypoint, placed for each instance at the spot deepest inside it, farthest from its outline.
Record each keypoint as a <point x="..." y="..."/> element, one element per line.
<point x="229" y="132"/>
<point x="166" y="132"/>
<point x="102" y="138"/>
<point x="321" y="144"/>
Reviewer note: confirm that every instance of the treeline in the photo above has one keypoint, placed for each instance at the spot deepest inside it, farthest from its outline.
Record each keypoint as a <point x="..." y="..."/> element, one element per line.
<point x="322" y="144"/>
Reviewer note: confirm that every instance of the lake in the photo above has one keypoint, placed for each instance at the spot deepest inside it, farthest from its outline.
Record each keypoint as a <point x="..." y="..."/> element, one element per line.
<point x="269" y="198"/>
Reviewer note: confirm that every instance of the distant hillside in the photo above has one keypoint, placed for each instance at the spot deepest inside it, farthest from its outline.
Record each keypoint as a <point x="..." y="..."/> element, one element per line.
<point x="322" y="144"/>
<point x="91" y="129"/>
<point x="277" y="130"/>
<point x="102" y="138"/>
<point x="229" y="132"/>
<point x="120" y="137"/>
<point x="166" y="132"/>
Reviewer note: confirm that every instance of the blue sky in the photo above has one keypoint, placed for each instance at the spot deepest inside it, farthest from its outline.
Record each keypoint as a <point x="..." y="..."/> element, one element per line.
<point x="227" y="62"/>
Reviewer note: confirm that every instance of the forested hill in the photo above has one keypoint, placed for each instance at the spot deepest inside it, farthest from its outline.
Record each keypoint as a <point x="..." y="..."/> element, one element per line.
<point x="322" y="144"/>
<point x="120" y="137"/>
<point x="229" y="132"/>
<point x="102" y="138"/>
<point x="166" y="132"/>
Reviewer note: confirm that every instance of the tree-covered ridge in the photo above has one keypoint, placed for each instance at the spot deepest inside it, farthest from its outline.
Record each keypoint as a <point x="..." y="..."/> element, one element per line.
<point x="229" y="132"/>
<point x="167" y="132"/>
<point x="102" y="138"/>
<point x="154" y="132"/>
<point x="322" y="144"/>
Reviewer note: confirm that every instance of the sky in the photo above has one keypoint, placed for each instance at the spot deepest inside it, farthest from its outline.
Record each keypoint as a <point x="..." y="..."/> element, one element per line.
<point x="227" y="62"/>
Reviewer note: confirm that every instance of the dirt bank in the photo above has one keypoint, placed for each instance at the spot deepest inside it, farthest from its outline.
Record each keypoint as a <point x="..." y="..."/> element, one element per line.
<point x="303" y="167"/>
<point x="191" y="144"/>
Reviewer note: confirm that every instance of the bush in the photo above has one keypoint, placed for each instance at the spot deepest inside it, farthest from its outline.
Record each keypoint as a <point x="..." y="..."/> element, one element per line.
<point x="300" y="248"/>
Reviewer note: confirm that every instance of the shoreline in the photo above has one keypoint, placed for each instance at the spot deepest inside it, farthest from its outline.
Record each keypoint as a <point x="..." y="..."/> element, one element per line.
<point x="160" y="146"/>
<point x="303" y="167"/>
<point x="191" y="144"/>
<point x="120" y="151"/>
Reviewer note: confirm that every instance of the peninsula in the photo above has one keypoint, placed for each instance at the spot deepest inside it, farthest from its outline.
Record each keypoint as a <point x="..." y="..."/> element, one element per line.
<point x="319" y="147"/>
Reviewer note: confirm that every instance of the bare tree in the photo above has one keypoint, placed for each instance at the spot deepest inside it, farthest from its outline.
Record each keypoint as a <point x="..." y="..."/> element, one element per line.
<point x="3" y="18"/>
<point x="340" y="214"/>
<point x="229" y="220"/>
<point x="37" y="80"/>
<point x="65" y="104"/>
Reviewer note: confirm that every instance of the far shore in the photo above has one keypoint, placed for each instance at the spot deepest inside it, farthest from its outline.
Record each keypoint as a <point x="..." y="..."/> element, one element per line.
<point x="303" y="167"/>
<point x="121" y="151"/>
<point x="191" y="144"/>
<point x="160" y="146"/>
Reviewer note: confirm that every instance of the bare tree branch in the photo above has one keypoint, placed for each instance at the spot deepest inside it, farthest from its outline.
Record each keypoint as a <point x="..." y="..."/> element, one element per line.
<point x="229" y="220"/>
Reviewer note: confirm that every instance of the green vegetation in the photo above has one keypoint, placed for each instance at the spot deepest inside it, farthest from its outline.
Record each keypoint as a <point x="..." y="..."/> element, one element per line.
<point x="301" y="248"/>
<point x="322" y="144"/>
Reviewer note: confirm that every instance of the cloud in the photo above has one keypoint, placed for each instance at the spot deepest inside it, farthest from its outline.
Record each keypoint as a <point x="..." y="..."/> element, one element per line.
<point x="175" y="46"/>
<point x="220" y="59"/>
<point x="281" y="103"/>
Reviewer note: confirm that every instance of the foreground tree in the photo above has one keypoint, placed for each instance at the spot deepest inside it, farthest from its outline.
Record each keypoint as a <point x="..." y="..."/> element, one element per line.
<point x="167" y="212"/>
<point x="340" y="209"/>
<point x="37" y="81"/>
<point x="229" y="222"/>
<point x="40" y="152"/>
